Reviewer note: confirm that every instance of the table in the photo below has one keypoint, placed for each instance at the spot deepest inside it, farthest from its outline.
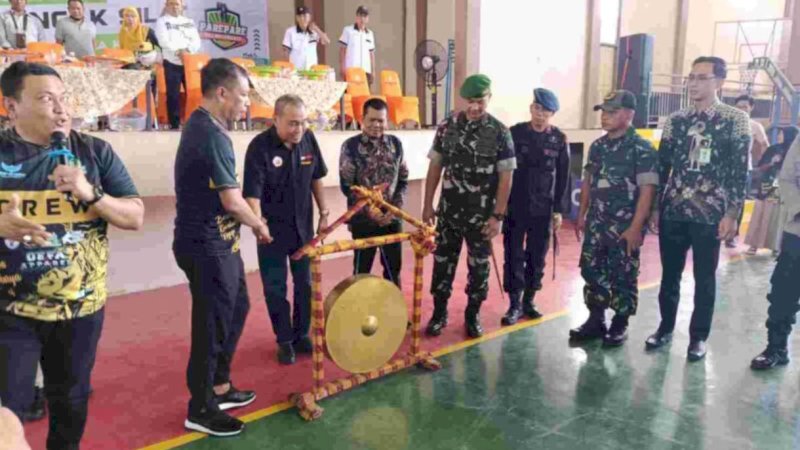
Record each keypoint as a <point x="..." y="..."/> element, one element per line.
<point x="98" y="91"/>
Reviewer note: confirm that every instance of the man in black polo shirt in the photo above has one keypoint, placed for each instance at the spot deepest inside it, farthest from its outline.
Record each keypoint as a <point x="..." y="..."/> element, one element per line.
<point x="210" y="209"/>
<point x="54" y="249"/>
<point x="282" y="168"/>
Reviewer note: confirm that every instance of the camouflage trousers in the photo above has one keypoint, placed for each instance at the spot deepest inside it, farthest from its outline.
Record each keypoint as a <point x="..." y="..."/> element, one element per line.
<point x="610" y="274"/>
<point x="448" y="250"/>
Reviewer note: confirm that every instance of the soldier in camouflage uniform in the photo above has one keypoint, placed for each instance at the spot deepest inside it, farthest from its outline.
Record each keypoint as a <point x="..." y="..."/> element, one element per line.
<point x="476" y="154"/>
<point x="619" y="185"/>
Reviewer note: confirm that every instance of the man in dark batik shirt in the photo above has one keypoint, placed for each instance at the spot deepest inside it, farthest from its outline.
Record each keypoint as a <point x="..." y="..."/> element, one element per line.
<point x="703" y="167"/>
<point x="371" y="159"/>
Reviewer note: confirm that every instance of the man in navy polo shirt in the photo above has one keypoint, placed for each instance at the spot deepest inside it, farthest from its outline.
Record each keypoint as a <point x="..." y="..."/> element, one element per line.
<point x="282" y="169"/>
<point x="210" y="209"/>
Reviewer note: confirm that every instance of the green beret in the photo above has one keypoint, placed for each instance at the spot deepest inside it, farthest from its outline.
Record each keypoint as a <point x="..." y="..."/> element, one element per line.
<point x="476" y="86"/>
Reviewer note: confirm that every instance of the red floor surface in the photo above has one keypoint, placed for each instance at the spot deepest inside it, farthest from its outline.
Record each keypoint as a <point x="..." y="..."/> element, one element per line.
<point x="140" y="395"/>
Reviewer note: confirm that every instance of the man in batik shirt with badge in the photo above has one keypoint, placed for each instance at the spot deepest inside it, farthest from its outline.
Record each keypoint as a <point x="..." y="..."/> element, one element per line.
<point x="702" y="162"/>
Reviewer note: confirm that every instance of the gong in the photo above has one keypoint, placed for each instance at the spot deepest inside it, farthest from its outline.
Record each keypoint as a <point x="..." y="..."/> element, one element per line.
<point x="365" y="322"/>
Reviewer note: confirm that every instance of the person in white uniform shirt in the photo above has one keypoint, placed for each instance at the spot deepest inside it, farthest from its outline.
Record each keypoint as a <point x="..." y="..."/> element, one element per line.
<point x="300" y="41"/>
<point x="177" y="34"/>
<point x="19" y="28"/>
<point x="358" y="45"/>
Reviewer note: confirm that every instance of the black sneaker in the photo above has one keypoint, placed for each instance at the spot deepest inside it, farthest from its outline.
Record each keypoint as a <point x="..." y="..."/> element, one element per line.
<point x="216" y="423"/>
<point x="235" y="398"/>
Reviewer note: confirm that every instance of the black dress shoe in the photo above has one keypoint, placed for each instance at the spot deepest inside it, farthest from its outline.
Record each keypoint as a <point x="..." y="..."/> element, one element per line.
<point x="37" y="408"/>
<point x="286" y="354"/>
<point x="617" y="332"/>
<point x="696" y="350"/>
<point x="436" y="325"/>
<point x="303" y="345"/>
<point x="769" y="359"/>
<point x="512" y="316"/>
<point x="657" y="340"/>
<point x="234" y="398"/>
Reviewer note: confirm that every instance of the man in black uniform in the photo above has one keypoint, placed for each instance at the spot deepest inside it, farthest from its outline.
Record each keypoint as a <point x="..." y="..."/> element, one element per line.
<point x="538" y="197"/>
<point x="210" y="210"/>
<point x="283" y="168"/>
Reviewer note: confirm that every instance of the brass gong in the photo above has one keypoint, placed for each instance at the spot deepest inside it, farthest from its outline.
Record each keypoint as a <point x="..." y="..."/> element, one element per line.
<point x="365" y="322"/>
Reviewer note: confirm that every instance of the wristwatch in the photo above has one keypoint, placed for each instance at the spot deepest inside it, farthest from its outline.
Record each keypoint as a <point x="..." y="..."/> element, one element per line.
<point x="324" y="213"/>
<point x="500" y="217"/>
<point x="98" y="194"/>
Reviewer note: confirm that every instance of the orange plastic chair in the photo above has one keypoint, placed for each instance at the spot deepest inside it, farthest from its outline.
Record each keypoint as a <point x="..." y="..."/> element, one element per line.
<point x="192" y="65"/>
<point x="283" y="64"/>
<point x="140" y="103"/>
<point x="257" y="110"/>
<point x="161" y="94"/>
<point x="348" y="108"/>
<point x="37" y="50"/>
<point x="246" y="63"/>
<point x="401" y="108"/>
<point x="121" y="54"/>
<point x="358" y="89"/>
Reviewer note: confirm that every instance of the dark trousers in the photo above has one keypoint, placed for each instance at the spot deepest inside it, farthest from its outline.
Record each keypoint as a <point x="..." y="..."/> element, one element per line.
<point x="525" y="246"/>
<point x="66" y="350"/>
<point x="289" y="323"/>
<point x="675" y="239"/>
<point x="175" y="77"/>
<point x="784" y="297"/>
<point x="391" y="254"/>
<point x="219" y="309"/>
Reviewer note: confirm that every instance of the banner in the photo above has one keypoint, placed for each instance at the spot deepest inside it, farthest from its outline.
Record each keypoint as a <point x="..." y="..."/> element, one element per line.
<point x="231" y="28"/>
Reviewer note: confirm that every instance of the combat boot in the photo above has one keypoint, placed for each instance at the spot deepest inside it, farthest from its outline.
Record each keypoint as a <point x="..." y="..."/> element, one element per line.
<point x="527" y="304"/>
<point x="617" y="332"/>
<point x="593" y="328"/>
<point x="472" y="320"/>
<point x="776" y="353"/>
<point x="439" y="319"/>
<point x="514" y="312"/>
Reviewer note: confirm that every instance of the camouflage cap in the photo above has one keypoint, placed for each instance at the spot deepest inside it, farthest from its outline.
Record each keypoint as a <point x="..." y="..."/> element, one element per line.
<point x="617" y="100"/>
<point x="476" y="86"/>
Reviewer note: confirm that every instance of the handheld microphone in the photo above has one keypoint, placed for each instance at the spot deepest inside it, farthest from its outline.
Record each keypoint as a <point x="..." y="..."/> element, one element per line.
<point x="59" y="148"/>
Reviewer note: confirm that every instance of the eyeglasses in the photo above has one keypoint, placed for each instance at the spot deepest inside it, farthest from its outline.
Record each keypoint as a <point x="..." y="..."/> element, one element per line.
<point x="693" y="77"/>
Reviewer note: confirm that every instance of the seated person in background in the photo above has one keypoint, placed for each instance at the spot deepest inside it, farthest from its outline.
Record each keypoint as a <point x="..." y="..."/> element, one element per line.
<point x="177" y="35"/>
<point x="75" y="33"/>
<point x="132" y="33"/>
<point x="17" y="27"/>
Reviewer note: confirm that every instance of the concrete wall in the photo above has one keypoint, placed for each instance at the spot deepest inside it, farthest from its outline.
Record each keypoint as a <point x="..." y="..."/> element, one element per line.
<point x="656" y="17"/>
<point x="385" y="20"/>
<point x="704" y="14"/>
<point x="280" y="16"/>
<point x="550" y="54"/>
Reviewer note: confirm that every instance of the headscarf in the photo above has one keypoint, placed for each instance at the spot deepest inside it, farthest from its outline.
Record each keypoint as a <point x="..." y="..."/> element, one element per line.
<point x="774" y="157"/>
<point x="132" y="38"/>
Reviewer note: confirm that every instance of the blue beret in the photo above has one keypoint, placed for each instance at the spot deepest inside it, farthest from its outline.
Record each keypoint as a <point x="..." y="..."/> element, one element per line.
<point x="546" y="98"/>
